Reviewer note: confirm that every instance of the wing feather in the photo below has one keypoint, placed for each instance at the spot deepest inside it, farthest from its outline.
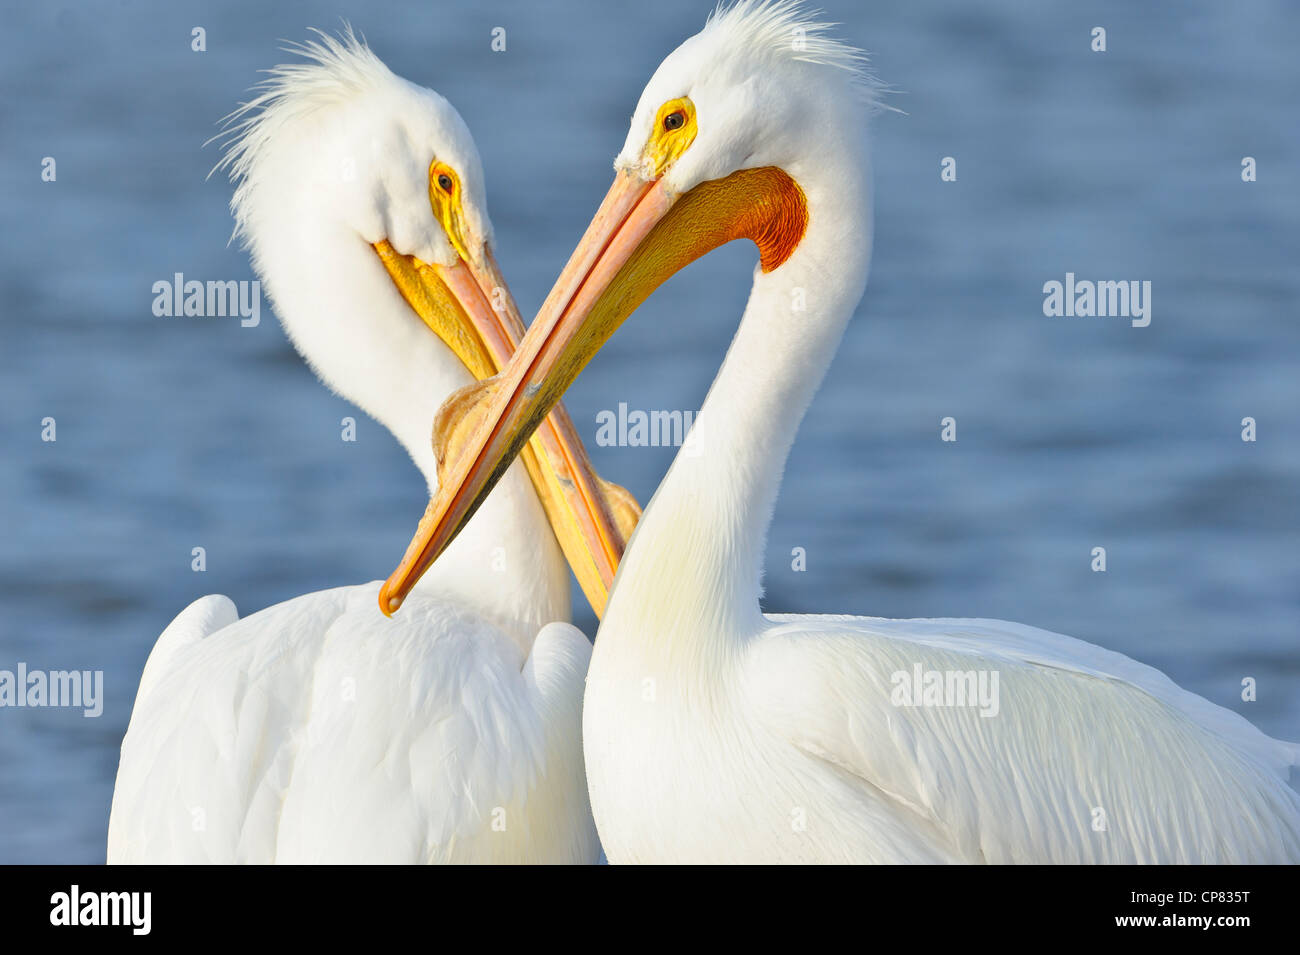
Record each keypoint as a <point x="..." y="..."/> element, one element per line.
<point x="1090" y="756"/>
<point x="319" y="730"/>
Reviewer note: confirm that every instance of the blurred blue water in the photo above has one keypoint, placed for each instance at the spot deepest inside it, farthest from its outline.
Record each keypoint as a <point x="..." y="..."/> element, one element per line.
<point x="1072" y="433"/>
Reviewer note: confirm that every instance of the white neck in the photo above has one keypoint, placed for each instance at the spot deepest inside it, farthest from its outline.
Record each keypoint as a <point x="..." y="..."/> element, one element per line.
<point x="690" y="582"/>
<point x="345" y="315"/>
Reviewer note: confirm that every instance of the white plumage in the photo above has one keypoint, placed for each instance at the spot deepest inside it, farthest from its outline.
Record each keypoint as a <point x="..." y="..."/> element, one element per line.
<point x="778" y="738"/>
<point x="318" y="730"/>
<point x="792" y="750"/>
<point x="714" y="733"/>
<point x="310" y="732"/>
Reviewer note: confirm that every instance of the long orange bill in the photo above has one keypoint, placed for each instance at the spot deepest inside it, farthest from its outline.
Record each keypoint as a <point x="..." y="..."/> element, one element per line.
<point x="481" y="429"/>
<point x="592" y="518"/>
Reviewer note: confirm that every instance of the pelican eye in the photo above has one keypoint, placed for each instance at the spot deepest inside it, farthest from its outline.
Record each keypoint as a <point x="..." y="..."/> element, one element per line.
<point x="445" y="183"/>
<point x="672" y="134"/>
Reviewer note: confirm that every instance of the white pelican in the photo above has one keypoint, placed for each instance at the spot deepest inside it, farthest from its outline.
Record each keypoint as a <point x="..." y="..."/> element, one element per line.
<point x="317" y="730"/>
<point x="715" y="733"/>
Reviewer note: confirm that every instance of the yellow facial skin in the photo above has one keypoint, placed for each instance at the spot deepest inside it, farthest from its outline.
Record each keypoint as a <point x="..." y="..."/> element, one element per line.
<point x="444" y="197"/>
<point x="470" y="308"/>
<point x="673" y="133"/>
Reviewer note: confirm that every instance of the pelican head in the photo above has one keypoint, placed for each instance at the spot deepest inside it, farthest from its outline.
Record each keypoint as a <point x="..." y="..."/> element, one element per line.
<point x="753" y="89"/>
<point x="361" y="197"/>
<point x="745" y="131"/>
<point x="355" y="189"/>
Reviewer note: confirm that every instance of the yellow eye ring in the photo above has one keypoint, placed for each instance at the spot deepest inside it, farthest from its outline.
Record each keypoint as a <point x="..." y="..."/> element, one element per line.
<point x="445" y="199"/>
<point x="442" y="178"/>
<point x="673" y="134"/>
